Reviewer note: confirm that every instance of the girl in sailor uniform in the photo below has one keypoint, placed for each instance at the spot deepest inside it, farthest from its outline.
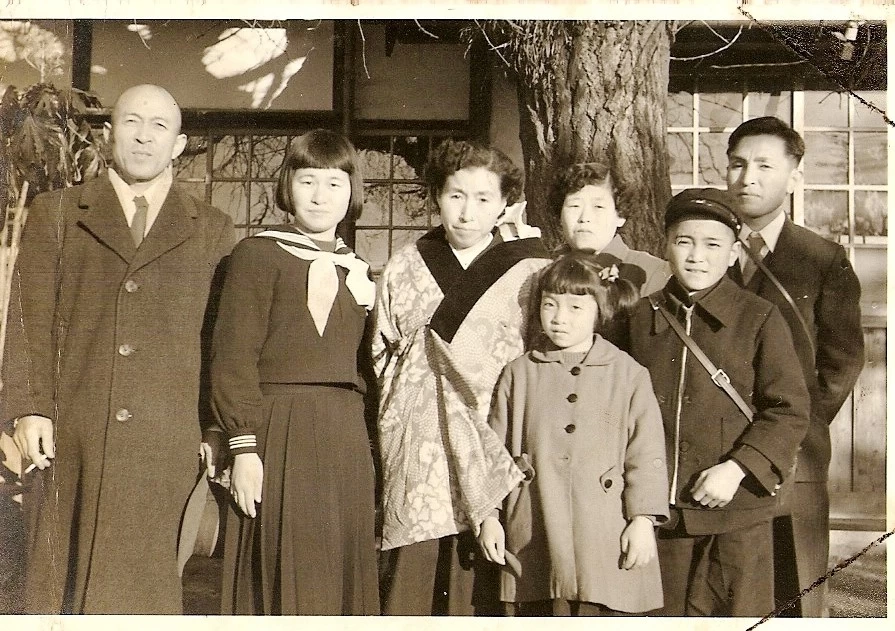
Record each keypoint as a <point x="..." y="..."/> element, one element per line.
<point x="287" y="384"/>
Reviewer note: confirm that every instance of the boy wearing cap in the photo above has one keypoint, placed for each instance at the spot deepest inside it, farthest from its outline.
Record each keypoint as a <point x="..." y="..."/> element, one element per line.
<point x="724" y="468"/>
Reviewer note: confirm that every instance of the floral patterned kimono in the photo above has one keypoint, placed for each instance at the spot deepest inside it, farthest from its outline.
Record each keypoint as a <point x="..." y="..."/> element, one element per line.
<point x="442" y="336"/>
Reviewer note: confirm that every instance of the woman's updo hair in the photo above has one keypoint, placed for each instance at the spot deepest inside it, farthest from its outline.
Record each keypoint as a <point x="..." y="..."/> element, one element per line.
<point x="576" y="176"/>
<point x="579" y="273"/>
<point x="454" y="155"/>
<point x="321" y="149"/>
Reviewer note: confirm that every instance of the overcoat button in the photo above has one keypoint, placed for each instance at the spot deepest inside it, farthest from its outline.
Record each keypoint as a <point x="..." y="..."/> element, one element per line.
<point x="122" y="415"/>
<point x="569" y="428"/>
<point x="130" y="286"/>
<point x="572" y="398"/>
<point x="685" y="445"/>
<point x="607" y="484"/>
<point x="125" y="350"/>
<point x="576" y="370"/>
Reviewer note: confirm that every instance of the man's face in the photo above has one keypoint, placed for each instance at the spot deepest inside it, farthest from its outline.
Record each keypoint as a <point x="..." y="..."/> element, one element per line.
<point x="760" y="174"/>
<point x="145" y="133"/>
<point x="700" y="251"/>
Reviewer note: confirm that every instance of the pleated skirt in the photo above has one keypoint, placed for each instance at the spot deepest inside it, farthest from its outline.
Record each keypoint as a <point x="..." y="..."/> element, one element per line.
<point x="311" y="549"/>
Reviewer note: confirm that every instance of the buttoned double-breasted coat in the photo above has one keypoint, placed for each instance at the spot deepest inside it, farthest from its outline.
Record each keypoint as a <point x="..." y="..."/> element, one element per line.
<point x="592" y="433"/>
<point x="112" y="339"/>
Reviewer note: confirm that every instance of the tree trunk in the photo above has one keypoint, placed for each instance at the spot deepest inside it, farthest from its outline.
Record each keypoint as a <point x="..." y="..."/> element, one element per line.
<point x="593" y="90"/>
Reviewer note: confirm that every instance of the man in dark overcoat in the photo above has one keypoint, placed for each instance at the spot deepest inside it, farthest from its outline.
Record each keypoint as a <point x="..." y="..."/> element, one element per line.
<point x="763" y="167"/>
<point x="115" y="279"/>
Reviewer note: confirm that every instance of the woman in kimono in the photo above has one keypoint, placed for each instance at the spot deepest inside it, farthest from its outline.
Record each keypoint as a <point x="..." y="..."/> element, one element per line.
<point x="287" y="389"/>
<point x="449" y="315"/>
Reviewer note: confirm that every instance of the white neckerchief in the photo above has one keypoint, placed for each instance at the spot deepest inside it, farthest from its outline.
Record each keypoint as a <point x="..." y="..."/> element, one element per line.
<point x="323" y="283"/>
<point x="155" y="196"/>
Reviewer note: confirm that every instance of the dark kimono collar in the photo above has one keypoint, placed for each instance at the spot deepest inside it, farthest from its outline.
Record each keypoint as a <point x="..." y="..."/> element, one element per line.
<point x="462" y="289"/>
<point x="718" y="303"/>
<point x="601" y="353"/>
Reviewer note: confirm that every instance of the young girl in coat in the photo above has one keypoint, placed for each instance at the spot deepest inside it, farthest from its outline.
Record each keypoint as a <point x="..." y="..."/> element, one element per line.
<point x="287" y="388"/>
<point x="580" y="419"/>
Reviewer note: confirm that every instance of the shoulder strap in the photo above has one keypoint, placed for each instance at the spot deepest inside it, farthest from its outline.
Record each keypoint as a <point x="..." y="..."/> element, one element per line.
<point x="718" y="376"/>
<point x="773" y="278"/>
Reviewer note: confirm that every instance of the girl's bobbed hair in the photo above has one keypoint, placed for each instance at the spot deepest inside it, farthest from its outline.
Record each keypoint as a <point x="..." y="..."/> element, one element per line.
<point x="321" y="149"/>
<point x="454" y="155"/>
<point x="579" y="273"/>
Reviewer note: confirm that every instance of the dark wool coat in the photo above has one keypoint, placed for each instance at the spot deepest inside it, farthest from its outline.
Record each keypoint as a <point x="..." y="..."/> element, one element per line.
<point x="112" y="337"/>
<point x="746" y="337"/>
<point x="819" y="278"/>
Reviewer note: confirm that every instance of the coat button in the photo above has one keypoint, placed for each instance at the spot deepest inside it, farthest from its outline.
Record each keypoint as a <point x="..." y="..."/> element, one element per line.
<point x="607" y="484"/>
<point x="130" y="286"/>
<point x="569" y="428"/>
<point x="576" y="370"/>
<point x="572" y="398"/>
<point x="122" y="415"/>
<point x="126" y="349"/>
<point x="685" y="445"/>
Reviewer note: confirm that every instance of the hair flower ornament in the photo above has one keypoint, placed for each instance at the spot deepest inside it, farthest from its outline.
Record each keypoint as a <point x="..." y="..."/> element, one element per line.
<point x="609" y="273"/>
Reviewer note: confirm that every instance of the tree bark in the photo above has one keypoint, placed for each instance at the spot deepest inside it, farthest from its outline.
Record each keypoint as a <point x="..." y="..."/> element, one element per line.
<point x="593" y="90"/>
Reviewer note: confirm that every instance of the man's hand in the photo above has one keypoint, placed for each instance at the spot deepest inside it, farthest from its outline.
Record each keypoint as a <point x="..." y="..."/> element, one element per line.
<point x="716" y="486"/>
<point x="638" y="543"/>
<point x="246" y="482"/>
<point x="34" y="438"/>
<point x="492" y="540"/>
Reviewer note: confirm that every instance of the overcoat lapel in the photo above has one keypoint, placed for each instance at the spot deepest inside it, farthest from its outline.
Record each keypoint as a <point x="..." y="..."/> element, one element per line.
<point x="101" y="215"/>
<point x="174" y="225"/>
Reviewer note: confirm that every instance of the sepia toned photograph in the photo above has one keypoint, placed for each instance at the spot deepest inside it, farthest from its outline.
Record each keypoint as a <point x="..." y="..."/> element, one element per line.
<point x="444" y="316"/>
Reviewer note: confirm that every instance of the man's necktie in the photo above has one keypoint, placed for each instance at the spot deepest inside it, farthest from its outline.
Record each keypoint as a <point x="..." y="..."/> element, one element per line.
<point x="757" y="245"/>
<point x="138" y="225"/>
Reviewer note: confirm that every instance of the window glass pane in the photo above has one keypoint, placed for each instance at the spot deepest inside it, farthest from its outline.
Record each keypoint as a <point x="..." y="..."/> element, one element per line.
<point x="231" y="157"/>
<point x="826" y="158"/>
<point x="866" y="116"/>
<point x="826" y="109"/>
<point x="713" y="158"/>
<point x="826" y="212"/>
<point x="376" y="205"/>
<point x="720" y="110"/>
<point x="372" y="246"/>
<point x="870" y="158"/>
<point x="410" y="155"/>
<point x="192" y="162"/>
<point x="264" y="210"/>
<point x="871" y="215"/>
<point x="870" y="266"/>
<point x="680" y="109"/>
<point x="680" y="158"/>
<point x="373" y="152"/>
<point x="410" y="208"/>
<point x="766" y="104"/>
<point x="267" y="156"/>
<point x="230" y="197"/>
<point x="400" y="238"/>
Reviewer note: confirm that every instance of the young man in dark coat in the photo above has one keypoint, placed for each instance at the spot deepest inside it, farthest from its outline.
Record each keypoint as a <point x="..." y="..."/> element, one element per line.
<point x="763" y="159"/>
<point x="115" y="278"/>
<point x="724" y="468"/>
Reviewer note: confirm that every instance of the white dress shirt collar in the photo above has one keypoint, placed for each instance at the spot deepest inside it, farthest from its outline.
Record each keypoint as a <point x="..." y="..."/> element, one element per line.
<point x="155" y="196"/>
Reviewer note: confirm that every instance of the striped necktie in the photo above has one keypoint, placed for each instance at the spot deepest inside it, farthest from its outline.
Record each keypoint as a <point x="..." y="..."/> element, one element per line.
<point x="757" y="245"/>
<point x="138" y="224"/>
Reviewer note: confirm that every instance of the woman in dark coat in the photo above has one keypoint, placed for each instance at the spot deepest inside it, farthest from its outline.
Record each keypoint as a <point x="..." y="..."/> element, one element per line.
<point x="287" y="388"/>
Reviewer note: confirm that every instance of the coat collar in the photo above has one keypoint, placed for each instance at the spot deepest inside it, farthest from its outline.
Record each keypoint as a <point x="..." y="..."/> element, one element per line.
<point x="718" y="303"/>
<point x="100" y="213"/>
<point x="600" y="354"/>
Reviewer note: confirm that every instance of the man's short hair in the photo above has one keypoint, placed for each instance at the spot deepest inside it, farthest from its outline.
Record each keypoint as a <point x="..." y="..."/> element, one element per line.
<point x="769" y="126"/>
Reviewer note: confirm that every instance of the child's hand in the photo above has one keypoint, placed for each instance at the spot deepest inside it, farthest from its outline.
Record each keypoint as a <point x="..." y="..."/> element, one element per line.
<point x="716" y="485"/>
<point x="246" y="481"/>
<point x="492" y="540"/>
<point x="638" y="543"/>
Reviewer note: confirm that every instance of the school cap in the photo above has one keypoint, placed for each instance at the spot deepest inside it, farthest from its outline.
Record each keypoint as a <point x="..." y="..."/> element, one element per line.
<point x="702" y="203"/>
